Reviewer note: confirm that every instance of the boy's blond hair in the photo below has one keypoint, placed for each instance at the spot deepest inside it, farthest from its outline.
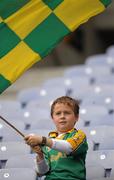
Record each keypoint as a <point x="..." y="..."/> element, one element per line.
<point x="74" y="104"/>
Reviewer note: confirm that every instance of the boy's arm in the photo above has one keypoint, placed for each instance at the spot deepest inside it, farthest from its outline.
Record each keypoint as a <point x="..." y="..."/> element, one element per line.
<point x="41" y="166"/>
<point x="78" y="143"/>
<point x="74" y="145"/>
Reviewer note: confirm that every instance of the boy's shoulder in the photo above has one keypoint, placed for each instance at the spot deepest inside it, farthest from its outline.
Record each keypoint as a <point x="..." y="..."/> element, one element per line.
<point x="72" y="132"/>
<point x="53" y="134"/>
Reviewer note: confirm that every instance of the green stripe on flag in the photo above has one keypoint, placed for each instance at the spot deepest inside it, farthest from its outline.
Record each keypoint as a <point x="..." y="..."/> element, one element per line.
<point x="52" y="3"/>
<point x="7" y="43"/>
<point x="106" y="2"/>
<point x="4" y="83"/>
<point x="7" y="7"/>
<point x="48" y="33"/>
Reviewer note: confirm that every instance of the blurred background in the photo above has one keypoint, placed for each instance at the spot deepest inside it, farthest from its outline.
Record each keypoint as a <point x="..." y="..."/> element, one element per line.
<point x="81" y="66"/>
<point x="91" y="38"/>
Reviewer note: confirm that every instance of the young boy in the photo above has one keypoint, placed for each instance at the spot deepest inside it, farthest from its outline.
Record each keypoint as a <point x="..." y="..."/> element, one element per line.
<point x="62" y="155"/>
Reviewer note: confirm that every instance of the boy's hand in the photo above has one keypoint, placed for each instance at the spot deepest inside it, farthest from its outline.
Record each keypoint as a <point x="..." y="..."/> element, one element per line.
<point x="39" y="152"/>
<point x="33" y="140"/>
<point x="37" y="149"/>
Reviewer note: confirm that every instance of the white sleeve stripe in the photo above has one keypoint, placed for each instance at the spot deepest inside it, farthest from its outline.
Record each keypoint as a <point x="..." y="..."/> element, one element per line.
<point x="41" y="167"/>
<point x="62" y="146"/>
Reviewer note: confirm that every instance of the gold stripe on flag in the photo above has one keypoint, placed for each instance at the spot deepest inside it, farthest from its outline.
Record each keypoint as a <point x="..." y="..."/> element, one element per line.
<point x="28" y="18"/>
<point x="17" y="61"/>
<point x="79" y="12"/>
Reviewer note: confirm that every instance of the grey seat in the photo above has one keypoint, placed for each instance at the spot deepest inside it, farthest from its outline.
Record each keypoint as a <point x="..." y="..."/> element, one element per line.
<point x="87" y="111"/>
<point x="100" y="120"/>
<point x="99" y="131"/>
<point x="39" y="131"/>
<point x="99" y="143"/>
<point x="8" y="149"/>
<point x="112" y="172"/>
<point x="105" y="158"/>
<point x="21" y="161"/>
<point x="94" y="172"/>
<point x="9" y="134"/>
<point x="17" y="174"/>
<point x="98" y="60"/>
<point x="27" y="95"/>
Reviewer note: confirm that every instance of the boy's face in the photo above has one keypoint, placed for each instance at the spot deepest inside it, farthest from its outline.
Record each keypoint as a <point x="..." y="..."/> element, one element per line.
<point x="64" y="117"/>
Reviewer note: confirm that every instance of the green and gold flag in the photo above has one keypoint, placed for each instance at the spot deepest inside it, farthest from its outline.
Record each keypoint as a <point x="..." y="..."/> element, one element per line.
<point x="30" y="29"/>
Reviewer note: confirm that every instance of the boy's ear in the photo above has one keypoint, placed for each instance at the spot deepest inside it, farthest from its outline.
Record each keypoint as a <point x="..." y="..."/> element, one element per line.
<point x="77" y="117"/>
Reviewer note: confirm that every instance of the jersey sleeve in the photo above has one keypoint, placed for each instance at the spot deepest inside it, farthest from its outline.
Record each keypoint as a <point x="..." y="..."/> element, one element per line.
<point x="78" y="142"/>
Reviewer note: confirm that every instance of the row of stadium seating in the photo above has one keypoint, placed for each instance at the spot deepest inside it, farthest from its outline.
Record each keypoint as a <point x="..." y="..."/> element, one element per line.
<point x="93" y="85"/>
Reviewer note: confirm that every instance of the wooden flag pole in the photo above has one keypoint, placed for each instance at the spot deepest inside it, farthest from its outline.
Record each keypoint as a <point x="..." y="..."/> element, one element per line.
<point x="12" y="126"/>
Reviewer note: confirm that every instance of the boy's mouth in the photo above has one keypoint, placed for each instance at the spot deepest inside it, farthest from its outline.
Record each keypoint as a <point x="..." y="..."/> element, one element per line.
<point x="62" y="122"/>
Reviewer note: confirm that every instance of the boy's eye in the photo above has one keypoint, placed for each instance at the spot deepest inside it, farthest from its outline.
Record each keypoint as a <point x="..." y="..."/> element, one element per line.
<point x="58" y="113"/>
<point x="67" y="112"/>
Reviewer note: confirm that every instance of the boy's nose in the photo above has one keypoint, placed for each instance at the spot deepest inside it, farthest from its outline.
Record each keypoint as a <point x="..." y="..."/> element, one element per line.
<point x="62" y="115"/>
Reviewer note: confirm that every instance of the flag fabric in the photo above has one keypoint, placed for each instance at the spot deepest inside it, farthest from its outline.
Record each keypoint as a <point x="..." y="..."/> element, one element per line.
<point x="30" y="29"/>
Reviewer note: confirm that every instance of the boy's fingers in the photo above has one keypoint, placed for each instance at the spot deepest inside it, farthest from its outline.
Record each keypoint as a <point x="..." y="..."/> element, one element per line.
<point x="28" y="136"/>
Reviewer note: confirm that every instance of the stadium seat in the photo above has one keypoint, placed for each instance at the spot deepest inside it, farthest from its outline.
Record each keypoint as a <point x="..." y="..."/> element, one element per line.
<point x="102" y="143"/>
<point x="26" y="95"/>
<point x="88" y="111"/>
<point x="52" y="92"/>
<point x="35" y="115"/>
<point x="47" y="95"/>
<point x="106" y="79"/>
<point x="105" y="158"/>
<point x="9" y="105"/>
<point x="112" y="172"/>
<point x="94" y="172"/>
<point x="99" y="120"/>
<point x="110" y="50"/>
<point x="54" y="82"/>
<point x="42" y="131"/>
<point x="98" y="60"/>
<point x="98" y="71"/>
<point x="8" y="149"/>
<point x="105" y="99"/>
<point x="21" y="161"/>
<point x="99" y="131"/>
<point x="41" y="103"/>
<point x="76" y="84"/>
<point x="17" y="174"/>
<point x="10" y="109"/>
<point x="100" y="89"/>
<point x="79" y="92"/>
<point x="78" y="71"/>
<point x="42" y="124"/>
<point x="7" y="133"/>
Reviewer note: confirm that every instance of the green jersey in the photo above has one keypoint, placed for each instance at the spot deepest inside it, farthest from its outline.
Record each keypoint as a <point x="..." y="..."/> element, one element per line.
<point x="63" y="166"/>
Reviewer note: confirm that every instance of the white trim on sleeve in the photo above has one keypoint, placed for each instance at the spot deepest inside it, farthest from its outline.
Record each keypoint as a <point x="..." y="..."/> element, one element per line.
<point x="41" y="167"/>
<point x="62" y="146"/>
